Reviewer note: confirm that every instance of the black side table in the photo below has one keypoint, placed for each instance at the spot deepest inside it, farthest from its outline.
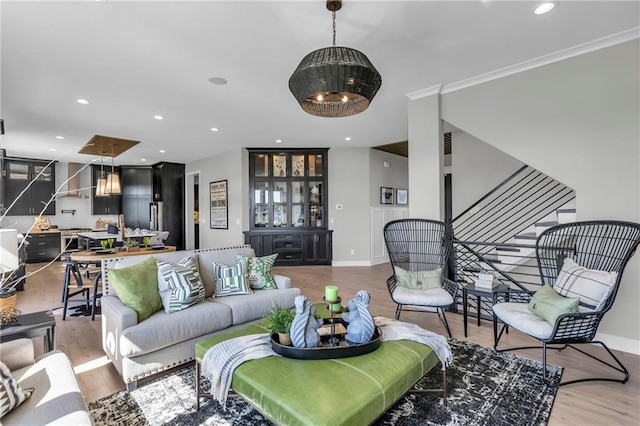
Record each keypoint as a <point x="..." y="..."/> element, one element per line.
<point x="37" y="324"/>
<point x="479" y="293"/>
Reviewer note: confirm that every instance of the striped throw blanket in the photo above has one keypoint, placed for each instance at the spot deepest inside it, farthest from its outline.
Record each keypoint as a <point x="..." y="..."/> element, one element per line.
<point x="221" y="360"/>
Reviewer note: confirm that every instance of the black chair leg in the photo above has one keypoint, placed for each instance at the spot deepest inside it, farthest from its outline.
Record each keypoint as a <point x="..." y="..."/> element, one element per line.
<point x="443" y="319"/>
<point x="95" y="295"/>
<point x="65" y="290"/>
<point x="398" y="311"/>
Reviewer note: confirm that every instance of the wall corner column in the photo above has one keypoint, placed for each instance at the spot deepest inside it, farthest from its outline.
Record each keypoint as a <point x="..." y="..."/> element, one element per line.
<point x="426" y="155"/>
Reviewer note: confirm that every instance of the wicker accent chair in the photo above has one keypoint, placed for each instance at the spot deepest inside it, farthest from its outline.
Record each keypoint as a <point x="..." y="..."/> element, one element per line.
<point x="598" y="246"/>
<point x="418" y="246"/>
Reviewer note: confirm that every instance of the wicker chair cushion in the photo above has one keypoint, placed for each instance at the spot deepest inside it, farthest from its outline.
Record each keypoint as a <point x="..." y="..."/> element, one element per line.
<point x="432" y="297"/>
<point x="592" y="286"/>
<point x="518" y="316"/>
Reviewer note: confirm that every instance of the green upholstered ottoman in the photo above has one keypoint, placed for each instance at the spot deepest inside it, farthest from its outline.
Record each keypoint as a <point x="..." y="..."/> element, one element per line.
<point x="345" y="391"/>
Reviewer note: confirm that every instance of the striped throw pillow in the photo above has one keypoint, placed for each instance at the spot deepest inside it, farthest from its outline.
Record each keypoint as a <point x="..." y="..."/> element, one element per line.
<point x="11" y="394"/>
<point x="231" y="280"/>
<point x="592" y="286"/>
<point x="180" y="285"/>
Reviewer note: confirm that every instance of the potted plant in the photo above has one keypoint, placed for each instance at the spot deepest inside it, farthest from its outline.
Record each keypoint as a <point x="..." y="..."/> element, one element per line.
<point x="131" y="245"/>
<point x="280" y="320"/>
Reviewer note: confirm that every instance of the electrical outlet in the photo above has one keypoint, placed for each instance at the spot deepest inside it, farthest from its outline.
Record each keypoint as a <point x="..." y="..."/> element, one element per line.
<point x="331" y="220"/>
<point x="353" y="252"/>
<point x="237" y="221"/>
<point x="338" y="206"/>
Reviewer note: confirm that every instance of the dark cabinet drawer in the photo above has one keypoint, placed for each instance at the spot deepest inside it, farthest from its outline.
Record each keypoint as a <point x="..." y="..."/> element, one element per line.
<point x="43" y="247"/>
<point x="287" y="244"/>
<point x="289" y="257"/>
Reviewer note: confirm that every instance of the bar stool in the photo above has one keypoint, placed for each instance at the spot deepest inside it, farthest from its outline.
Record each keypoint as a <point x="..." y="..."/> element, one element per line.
<point x="77" y="286"/>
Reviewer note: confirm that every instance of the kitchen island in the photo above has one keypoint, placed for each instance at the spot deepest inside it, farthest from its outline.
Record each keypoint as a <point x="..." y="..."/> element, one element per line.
<point x="90" y="239"/>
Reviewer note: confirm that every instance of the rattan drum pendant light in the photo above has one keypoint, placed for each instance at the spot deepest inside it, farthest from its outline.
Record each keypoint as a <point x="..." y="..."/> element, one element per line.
<point x="335" y="81"/>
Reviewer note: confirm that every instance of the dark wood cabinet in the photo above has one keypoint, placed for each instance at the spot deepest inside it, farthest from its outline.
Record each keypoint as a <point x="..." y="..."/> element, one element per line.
<point x="288" y="209"/>
<point x="168" y="194"/>
<point x="43" y="246"/>
<point x="111" y="204"/>
<point x="18" y="173"/>
<point x="136" y="182"/>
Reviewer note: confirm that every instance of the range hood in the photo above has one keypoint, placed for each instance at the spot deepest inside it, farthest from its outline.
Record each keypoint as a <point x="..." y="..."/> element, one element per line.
<point x="74" y="185"/>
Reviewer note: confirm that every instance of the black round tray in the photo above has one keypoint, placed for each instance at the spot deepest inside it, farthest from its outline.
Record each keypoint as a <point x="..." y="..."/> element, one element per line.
<point x="344" y="350"/>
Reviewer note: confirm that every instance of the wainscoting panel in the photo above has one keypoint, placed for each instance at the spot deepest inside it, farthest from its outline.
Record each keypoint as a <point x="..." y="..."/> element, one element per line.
<point x="380" y="216"/>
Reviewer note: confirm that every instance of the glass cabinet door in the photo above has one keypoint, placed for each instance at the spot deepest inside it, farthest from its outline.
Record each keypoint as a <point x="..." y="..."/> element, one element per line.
<point x="288" y="188"/>
<point x="17" y="171"/>
<point x="42" y="173"/>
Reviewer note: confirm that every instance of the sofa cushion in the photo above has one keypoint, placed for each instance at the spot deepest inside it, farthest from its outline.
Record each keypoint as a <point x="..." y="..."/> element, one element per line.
<point x="137" y="287"/>
<point x="225" y="256"/>
<point x="11" y="393"/>
<point x="259" y="271"/>
<point x="249" y="308"/>
<point x="179" y="284"/>
<point x="231" y="280"/>
<point x="162" y="329"/>
<point x="56" y="399"/>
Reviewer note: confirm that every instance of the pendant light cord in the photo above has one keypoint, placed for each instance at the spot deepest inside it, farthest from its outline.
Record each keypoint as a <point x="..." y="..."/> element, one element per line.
<point x="334" y="28"/>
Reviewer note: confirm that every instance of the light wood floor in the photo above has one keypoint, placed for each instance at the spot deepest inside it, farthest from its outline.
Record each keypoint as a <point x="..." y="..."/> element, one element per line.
<point x="596" y="403"/>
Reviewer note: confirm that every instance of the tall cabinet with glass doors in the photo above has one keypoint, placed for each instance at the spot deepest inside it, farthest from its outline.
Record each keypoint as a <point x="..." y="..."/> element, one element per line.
<point x="288" y="205"/>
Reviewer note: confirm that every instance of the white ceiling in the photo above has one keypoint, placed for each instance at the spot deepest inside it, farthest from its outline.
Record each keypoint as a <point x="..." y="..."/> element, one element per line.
<point x="134" y="60"/>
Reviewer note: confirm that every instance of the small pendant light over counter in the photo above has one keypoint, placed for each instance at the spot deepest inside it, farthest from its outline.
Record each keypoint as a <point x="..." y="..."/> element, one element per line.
<point x="101" y="183"/>
<point x="112" y="186"/>
<point x="335" y="81"/>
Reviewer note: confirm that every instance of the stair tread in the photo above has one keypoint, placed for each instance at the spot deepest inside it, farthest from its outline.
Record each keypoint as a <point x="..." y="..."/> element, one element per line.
<point x="507" y="249"/>
<point x="565" y="210"/>
<point x="527" y="236"/>
<point x="547" y="223"/>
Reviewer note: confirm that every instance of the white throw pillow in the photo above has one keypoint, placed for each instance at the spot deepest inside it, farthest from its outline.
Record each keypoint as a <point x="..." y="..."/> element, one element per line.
<point x="592" y="286"/>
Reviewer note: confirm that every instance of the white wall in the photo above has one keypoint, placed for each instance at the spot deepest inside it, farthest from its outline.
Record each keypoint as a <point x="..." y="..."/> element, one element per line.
<point x="395" y="176"/>
<point x="477" y="168"/>
<point x="232" y="166"/>
<point x="576" y="120"/>
<point x="348" y="185"/>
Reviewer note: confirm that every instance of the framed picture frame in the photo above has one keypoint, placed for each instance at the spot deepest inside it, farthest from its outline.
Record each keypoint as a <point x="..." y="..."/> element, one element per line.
<point x="402" y="197"/>
<point x="386" y="195"/>
<point x="219" y="214"/>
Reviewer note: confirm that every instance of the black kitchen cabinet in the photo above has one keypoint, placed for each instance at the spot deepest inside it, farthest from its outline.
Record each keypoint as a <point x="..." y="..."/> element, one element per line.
<point x="136" y="182"/>
<point x="111" y="204"/>
<point x="17" y="174"/>
<point x="168" y="193"/>
<point x="289" y="205"/>
<point x="43" y="246"/>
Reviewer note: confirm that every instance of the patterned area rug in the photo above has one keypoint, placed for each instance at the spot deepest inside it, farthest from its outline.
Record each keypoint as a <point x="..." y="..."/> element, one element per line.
<point x="485" y="388"/>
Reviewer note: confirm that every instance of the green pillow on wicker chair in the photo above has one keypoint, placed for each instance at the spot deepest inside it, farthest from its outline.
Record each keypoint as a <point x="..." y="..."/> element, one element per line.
<point x="549" y="305"/>
<point x="418" y="280"/>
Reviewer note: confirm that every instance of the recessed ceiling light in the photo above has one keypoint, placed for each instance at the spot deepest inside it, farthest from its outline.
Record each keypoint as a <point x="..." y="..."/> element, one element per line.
<point x="158" y="117"/>
<point x="52" y="149"/>
<point x="143" y="159"/>
<point x="218" y="81"/>
<point x="545" y="7"/>
<point x="278" y="140"/>
<point x="59" y="137"/>
<point x="347" y="138"/>
<point x="83" y="101"/>
<point x="162" y="151"/>
<point x="214" y="129"/>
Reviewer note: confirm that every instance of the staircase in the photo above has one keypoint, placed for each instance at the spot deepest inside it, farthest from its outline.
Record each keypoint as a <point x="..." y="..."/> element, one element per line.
<point x="499" y="231"/>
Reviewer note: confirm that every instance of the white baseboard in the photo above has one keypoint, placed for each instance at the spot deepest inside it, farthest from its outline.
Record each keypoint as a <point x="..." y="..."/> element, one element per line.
<point x="351" y="263"/>
<point x="620" y="343"/>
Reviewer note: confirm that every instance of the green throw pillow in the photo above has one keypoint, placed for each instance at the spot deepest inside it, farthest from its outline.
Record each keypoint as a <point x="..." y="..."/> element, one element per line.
<point x="418" y="280"/>
<point x="549" y="305"/>
<point x="259" y="271"/>
<point x="137" y="287"/>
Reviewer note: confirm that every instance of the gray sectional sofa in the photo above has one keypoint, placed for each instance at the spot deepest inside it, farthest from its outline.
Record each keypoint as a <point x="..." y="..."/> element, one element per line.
<point x="164" y="340"/>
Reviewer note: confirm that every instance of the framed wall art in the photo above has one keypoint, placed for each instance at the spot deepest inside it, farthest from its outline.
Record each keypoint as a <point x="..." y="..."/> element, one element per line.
<point x="219" y="216"/>
<point x="386" y="195"/>
<point x="402" y="197"/>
